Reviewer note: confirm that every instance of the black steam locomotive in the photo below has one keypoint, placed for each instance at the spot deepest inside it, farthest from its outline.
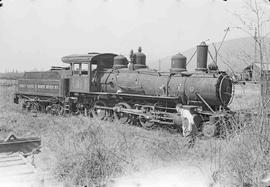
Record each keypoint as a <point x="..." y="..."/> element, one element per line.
<point x="111" y="87"/>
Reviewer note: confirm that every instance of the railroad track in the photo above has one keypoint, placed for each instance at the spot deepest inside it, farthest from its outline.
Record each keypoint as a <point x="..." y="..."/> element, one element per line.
<point x="17" y="162"/>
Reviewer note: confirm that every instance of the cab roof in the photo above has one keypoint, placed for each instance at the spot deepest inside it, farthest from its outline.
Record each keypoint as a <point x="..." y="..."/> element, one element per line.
<point x="94" y="58"/>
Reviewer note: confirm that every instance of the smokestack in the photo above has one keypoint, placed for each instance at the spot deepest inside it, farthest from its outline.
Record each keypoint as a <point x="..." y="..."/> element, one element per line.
<point x="202" y="52"/>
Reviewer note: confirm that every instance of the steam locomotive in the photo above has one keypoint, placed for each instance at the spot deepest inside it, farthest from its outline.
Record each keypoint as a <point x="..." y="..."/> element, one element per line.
<point x="111" y="87"/>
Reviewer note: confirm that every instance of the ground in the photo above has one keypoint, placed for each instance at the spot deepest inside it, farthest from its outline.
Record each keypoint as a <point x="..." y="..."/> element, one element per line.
<point x="82" y="150"/>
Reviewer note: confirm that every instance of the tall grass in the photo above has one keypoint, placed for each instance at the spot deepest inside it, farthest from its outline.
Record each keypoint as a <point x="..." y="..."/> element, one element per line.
<point x="86" y="151"/>
<point x="246" y="152"/>
<point x="98" y="151"/>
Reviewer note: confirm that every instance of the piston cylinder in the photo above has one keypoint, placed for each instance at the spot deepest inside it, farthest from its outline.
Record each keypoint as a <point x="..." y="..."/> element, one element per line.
<point x="202" y="55"/>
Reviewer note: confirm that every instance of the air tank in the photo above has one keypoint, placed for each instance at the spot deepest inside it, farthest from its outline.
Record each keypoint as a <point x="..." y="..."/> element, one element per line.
<point x="139" y="59"/>
<point x="120" y="62"/>
<point x="202" y="52"/>
<point x="178" y="63"/>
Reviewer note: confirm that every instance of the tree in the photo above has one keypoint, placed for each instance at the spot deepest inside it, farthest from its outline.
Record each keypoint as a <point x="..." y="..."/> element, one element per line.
<point x="255" y="22"/>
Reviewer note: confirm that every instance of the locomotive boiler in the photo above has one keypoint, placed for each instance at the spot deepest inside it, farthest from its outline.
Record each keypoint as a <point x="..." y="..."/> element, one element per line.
<point x="111" y="87"/>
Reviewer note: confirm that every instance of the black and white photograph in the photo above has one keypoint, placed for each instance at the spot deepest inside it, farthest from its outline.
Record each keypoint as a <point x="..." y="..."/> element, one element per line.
<point x="134" y="93"/>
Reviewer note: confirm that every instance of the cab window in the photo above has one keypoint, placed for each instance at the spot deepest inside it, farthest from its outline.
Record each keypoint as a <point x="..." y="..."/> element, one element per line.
<point x="80" y="69"/>
<point x="84" y="70"/>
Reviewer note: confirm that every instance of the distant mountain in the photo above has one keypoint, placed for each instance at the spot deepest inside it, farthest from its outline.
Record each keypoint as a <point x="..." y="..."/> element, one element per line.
<point x="234" y="55"/>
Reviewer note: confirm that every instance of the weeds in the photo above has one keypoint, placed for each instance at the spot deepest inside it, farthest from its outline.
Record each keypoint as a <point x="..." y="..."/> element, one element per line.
<point x="246" y="155"/>
<point x="94" y="153"/>
<point x="86" y="151"/>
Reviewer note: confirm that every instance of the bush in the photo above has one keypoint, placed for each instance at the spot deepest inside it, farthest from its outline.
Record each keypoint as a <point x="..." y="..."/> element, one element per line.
<point x="92" y="152"/>
<point x="83" y="156"/>
<point x="246" y="153"/>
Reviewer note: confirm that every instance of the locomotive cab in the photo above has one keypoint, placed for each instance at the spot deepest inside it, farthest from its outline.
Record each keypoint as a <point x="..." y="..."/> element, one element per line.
<point x="85" y="70"/>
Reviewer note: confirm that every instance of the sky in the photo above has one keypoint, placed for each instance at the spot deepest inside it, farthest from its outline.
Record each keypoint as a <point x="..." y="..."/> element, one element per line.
<point x="36" y="34"/>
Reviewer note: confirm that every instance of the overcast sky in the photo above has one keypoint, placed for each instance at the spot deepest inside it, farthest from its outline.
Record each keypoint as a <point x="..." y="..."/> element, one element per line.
<point x="35" y="34"/>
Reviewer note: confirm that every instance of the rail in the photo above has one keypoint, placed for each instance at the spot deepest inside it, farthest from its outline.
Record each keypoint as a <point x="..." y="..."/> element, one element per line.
<point x="17" y="161"/>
